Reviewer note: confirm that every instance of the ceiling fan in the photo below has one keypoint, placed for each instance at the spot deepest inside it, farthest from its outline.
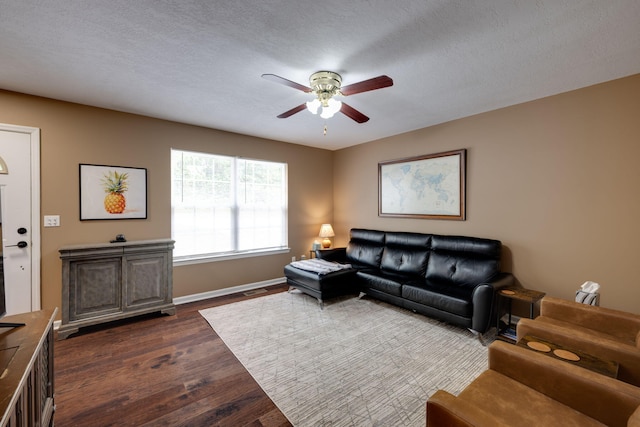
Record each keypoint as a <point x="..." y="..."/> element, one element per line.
<point x="325" y="85"/>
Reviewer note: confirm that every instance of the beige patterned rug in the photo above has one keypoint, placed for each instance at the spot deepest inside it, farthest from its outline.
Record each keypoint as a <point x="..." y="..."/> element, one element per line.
<point x="358" y="362"/>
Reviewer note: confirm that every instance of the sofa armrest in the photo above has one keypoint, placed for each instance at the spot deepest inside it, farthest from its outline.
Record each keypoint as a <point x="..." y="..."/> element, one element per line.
<point x="484" y="296"/>
<point x="333" y="254"/>
<point x="445" y="409"/>
<point x="502" y="280"/>
<point x="622" y="325"/>
<point x="634" y="421"/>
<point x="605" y="399"/>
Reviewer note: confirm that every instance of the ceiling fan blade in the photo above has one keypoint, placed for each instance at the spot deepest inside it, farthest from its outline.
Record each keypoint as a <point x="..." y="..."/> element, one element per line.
<point x="293" y="111"/>
<point x="353" y="114"/>
<point x="283" y="81"/>
<point x="367" y="85"/>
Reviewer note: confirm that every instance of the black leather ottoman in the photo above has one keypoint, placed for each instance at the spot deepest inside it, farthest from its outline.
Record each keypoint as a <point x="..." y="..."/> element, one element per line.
<point x="321" y="286"/>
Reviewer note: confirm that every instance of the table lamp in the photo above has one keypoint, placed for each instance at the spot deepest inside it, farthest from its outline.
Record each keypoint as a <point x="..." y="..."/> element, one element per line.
<point x="326" y="231"/>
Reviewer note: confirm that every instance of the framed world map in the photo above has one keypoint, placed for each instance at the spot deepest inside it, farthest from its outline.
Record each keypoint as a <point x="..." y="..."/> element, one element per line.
<point x="430" y="186"/>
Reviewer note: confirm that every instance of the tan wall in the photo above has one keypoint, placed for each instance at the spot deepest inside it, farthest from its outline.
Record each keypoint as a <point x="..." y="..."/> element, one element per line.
<point x="73" y="134"/>
<point x="555" y="179"/>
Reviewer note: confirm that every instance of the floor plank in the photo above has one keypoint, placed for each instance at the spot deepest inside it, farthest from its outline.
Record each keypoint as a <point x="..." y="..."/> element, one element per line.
<point x="158" y="371"/>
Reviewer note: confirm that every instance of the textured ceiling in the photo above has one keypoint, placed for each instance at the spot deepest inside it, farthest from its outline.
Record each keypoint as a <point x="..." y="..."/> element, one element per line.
<point x="200" y="62"/>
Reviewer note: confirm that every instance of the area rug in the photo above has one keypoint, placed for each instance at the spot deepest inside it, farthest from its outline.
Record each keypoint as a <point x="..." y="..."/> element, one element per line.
<point x="357" y="362"/>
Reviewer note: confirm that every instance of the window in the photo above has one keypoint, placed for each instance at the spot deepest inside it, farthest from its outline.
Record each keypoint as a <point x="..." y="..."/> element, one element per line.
<point x="224" y="205"/>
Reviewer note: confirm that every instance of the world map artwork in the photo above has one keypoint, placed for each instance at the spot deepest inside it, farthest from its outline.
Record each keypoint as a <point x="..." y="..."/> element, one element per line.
<point x="421" y="187"/>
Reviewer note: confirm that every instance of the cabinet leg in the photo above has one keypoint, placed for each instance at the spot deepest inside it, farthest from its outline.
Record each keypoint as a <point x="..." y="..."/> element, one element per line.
<point x="171" y="311"/>
<point x="63" y="334"/>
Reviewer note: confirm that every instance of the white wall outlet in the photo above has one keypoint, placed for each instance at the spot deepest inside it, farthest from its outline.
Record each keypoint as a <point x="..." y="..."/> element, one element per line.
<point x="293" y="258"/>
<point x="52" y="220"/>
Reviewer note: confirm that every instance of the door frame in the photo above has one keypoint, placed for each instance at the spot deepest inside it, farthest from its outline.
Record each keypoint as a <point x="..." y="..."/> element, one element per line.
<point x="34" y="135"/>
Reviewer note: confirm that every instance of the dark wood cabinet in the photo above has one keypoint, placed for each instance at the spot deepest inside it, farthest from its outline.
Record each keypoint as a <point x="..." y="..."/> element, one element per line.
<point x="26" y="362"/>
<point x="111" y="281"/>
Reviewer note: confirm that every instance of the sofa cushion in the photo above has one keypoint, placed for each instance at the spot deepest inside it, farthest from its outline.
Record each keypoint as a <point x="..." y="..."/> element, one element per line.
<point x="365" y="247"/>
<point x="388" y="283"/>
<point x="481" y="248"/>
<point x="453" y="299"/>
<point x="516" y="404"/>
<point x="405" y="253"/>
<point x="463" y="261"/>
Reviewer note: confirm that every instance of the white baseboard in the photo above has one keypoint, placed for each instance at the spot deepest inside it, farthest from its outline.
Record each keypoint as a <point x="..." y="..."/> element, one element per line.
<point x="227" y="291"/>
<point x="212" y="294"/>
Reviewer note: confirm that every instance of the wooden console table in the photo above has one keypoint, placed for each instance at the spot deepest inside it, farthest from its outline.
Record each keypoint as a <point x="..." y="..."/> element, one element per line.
<point x="110" y="281"/>
<point x="26" y="370"/>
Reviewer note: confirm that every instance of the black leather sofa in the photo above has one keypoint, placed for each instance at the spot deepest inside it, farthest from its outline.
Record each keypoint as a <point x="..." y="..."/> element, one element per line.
<point x="451" y="278"/>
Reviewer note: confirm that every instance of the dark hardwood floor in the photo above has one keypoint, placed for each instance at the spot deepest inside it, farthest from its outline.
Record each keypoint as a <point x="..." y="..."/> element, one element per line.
<point x="158" y="371"/>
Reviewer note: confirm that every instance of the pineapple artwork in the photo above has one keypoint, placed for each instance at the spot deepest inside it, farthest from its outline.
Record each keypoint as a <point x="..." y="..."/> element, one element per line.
<point x="112" y="192"/>
<point x="115" y="185"/>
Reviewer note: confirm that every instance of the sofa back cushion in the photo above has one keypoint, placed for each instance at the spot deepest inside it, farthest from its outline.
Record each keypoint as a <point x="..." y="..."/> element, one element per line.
<point x="405" y="253"/>
<point x="463" y="261"/>
<point x="365" y="247"/>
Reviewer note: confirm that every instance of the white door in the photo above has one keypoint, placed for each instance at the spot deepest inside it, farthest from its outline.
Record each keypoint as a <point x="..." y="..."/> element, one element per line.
<point x="19" y="146"/>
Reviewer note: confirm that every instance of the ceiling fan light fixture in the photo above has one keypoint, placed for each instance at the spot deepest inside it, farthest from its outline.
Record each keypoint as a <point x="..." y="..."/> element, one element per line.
<point x="313" y="106"/>
<point x="334" y="105"/>
<point x="326" y="113"/>
<point x="332" y="108"/>
<point x="325" y="85"/>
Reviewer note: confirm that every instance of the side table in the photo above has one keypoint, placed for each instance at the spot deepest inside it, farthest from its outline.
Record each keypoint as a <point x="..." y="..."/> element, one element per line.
<point x="521" y="294"/>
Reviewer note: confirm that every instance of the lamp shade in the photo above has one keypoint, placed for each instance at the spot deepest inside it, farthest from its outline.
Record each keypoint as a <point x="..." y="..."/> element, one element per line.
<point x="326" y="231"/>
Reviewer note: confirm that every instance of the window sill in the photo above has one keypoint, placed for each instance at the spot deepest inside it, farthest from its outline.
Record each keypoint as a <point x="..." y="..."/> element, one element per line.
<point x="227" y="257"/>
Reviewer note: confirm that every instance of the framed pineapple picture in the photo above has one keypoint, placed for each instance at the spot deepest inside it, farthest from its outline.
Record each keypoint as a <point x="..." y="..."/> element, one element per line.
<point x="112" y="192"/>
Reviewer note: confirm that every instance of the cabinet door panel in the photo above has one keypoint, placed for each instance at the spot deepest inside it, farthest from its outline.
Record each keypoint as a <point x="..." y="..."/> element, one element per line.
<point x="95" y="288"/>
<point x="146" y="280"/>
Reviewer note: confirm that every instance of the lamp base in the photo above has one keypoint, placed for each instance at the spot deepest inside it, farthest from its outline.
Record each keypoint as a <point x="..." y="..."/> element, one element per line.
<point x="326" y="243"/>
